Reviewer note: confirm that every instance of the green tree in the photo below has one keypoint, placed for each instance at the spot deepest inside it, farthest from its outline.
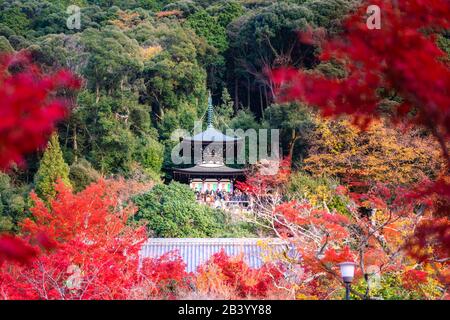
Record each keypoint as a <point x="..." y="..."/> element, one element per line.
<point x="5" y="46"/>
<point x="57" y="51"/>
<point x="115" y="134"/>
<point x="443" y="42"/>
<point x="13" y="203"/>
<point x="328" y="13"/>
<point x="51" y="168"/>
<point x="150" y="155"/>
<point x="244" y="119"/>
<point x="265" y="39"/>
<point x="390" y="286"/>
<point x="295" y="124"/>
<point x="320" y="191"/>
<point x="186" y="7"/>
<point x="6" y="31"/>
<point x="82" y="174"/>
<point x="209" y="28"/>
<point x="113" y="60"/>
<point x="175" y="79"/>
<point x="14" y="18"/>
<point x="226" y="11"/>
<point x="224" y="112"/>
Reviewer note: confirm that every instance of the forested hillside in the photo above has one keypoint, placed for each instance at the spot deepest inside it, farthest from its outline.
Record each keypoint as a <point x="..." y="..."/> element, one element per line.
<point x="87" y="116"/>
<point x="146" y="68"/>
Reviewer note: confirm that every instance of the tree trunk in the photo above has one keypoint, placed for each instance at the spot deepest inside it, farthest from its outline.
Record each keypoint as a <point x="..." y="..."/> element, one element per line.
<point x="266" y="96"/>
<point x="97" y="93"/>
<point x="261" y="104"/>
<point x="291" y="144"/>
<point x="236" y="94"/>
<point x="248" y="92"/>
<point x="75" y="143"/>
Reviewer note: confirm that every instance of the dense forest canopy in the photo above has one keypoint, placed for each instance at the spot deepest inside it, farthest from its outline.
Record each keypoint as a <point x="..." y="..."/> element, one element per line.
<point x="147" y="67"/>
<point x="348" y="187"/>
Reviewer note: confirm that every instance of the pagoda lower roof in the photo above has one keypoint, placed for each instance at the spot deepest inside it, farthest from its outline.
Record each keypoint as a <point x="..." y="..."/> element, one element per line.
<point x="206" y="170"/>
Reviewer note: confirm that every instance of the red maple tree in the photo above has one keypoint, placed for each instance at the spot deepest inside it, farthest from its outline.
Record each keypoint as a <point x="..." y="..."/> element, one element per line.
<point x="92" y="252"/>
<point x="232" y="276"/>
<point x="400" y="58"/>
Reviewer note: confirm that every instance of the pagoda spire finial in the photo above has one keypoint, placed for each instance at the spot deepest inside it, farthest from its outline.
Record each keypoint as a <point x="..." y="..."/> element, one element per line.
<point x="210" y="110"/>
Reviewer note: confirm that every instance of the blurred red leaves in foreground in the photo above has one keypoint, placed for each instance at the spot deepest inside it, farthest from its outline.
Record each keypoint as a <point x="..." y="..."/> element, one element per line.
<point x="15" y="249"/>
<point x="400" y="56"/>
<point x="29" y="106"/>
<point x="29" y="109"/>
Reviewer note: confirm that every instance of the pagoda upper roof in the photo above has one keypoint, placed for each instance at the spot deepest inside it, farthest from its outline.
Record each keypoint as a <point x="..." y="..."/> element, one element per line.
<point x="212" y="135"/>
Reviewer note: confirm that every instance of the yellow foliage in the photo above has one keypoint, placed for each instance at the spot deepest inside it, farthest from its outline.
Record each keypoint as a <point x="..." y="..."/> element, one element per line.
<point x="150" y="52"/>
<point x="269" y="253"/>
<point x="379" y="154"/>
<point x="301" y="296"/>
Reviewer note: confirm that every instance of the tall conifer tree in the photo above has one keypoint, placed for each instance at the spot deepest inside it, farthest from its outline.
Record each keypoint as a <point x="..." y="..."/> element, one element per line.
<point x="51" y="168"/>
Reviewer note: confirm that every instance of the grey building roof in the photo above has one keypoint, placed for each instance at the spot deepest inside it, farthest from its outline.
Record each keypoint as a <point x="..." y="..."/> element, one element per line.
<point x="196" y="251"/>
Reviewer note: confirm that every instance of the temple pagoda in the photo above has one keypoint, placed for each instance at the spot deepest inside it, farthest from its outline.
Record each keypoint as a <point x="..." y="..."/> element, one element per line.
<point x="210" y="173"/>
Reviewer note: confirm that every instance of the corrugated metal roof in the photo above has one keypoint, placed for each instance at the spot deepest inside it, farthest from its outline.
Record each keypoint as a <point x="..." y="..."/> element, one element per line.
<point x="196" y="251"/>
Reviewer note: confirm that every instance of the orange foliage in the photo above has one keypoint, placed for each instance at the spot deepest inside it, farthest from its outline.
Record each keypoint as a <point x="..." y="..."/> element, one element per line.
<point x="127" y="20"/>
<point x="378" y="154"/>
<point x="227" y="277"/>
<point x="163" y="14"/>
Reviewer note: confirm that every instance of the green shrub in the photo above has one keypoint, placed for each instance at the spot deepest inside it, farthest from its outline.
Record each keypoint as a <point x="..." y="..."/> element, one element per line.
<point x="391" y="287"/>
<point x="82" y="174"/>
<point x="5" y="46"/>
<point x="320" y="191"/>
<point x="13" y="203"/>
<point x="172" y="211"/>
<point x="151" y="155"/>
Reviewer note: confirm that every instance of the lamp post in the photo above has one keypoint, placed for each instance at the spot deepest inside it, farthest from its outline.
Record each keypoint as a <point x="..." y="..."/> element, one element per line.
<point x="347" y="274"/>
